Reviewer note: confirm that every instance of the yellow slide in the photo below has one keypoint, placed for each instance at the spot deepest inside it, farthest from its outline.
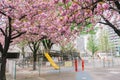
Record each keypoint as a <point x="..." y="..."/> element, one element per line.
<point x="51" y="61"/>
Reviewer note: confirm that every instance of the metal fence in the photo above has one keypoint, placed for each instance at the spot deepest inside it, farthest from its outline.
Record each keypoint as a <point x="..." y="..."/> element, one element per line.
<point x="100" y="63"/>
<point x="68" y="65"/>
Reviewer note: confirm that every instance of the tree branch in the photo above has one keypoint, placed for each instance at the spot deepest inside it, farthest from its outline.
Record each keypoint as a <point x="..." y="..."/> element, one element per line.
<point x="18" y="35"/>
<point x="118" y="10"/>
<point x="3" y="13"/>
<point x="93" y="4"/>
<point x="103" y="23"/>
<point x="111" y="25"/>
<point x="1" y="48"/>
<point x="30" y="46"/>
<point x="2" y="31"/>
<point x="10" y="26"/>
<point x="22" y="17"/>
<point x="38" y="45"/>
<point x="117" y="5"/>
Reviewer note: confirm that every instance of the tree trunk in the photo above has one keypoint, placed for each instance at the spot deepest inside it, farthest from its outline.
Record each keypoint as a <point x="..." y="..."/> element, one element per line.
<point x="3" y="60"/>
<point x="34" y="61"/>
<point x="3" y="68"/>
<point x="23" y="52"/>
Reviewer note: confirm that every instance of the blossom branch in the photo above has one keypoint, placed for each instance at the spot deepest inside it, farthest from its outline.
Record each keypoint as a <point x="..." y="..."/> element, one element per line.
<point x="2" y="31"/>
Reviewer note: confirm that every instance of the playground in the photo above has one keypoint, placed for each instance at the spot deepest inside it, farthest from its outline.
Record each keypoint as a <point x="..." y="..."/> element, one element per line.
<point x="64" y="67"/>
<point x="46" y="63"/>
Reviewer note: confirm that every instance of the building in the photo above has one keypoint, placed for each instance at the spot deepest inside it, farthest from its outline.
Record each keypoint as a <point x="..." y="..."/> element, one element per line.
<point x="115" y="40"/>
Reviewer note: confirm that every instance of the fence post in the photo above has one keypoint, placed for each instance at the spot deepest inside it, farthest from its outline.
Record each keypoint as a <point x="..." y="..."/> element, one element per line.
<point x="104" y="62"/>
<point x="14" y="74"/>
<point x="40" y="64"/>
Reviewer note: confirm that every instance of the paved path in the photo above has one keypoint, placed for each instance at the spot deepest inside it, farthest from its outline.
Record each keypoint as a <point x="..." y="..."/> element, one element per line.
<point x="88" y="74"/>
<point x="83" y="75"/>
<point x="105" y="73"/>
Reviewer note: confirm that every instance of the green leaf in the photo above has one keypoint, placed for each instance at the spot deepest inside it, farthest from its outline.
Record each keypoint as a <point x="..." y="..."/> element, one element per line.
<point x="89" y="25"/>
<point x="69" y="4"/>
<point x="60" y="4"/>
<point x="92" y="32"/>
<point x="72" y="28"/>
<point x="79" y="25"/>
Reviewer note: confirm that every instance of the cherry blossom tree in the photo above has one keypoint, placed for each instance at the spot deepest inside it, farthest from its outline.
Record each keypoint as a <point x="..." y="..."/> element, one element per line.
<point x="84" y="12"/>
<point x="17" y="17"/>
<point x="48" y="30"/>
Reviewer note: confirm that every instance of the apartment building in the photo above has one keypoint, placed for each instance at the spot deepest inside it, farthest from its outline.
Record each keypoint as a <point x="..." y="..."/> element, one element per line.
<point x="115" y="40"/>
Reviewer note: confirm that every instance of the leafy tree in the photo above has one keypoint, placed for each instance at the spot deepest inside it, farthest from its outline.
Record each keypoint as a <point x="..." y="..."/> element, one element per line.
<point x="67" y="48"/>
<point x="92" y="45"/>
<point x="22" y="45"/>
<point x="104" y="43"/>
